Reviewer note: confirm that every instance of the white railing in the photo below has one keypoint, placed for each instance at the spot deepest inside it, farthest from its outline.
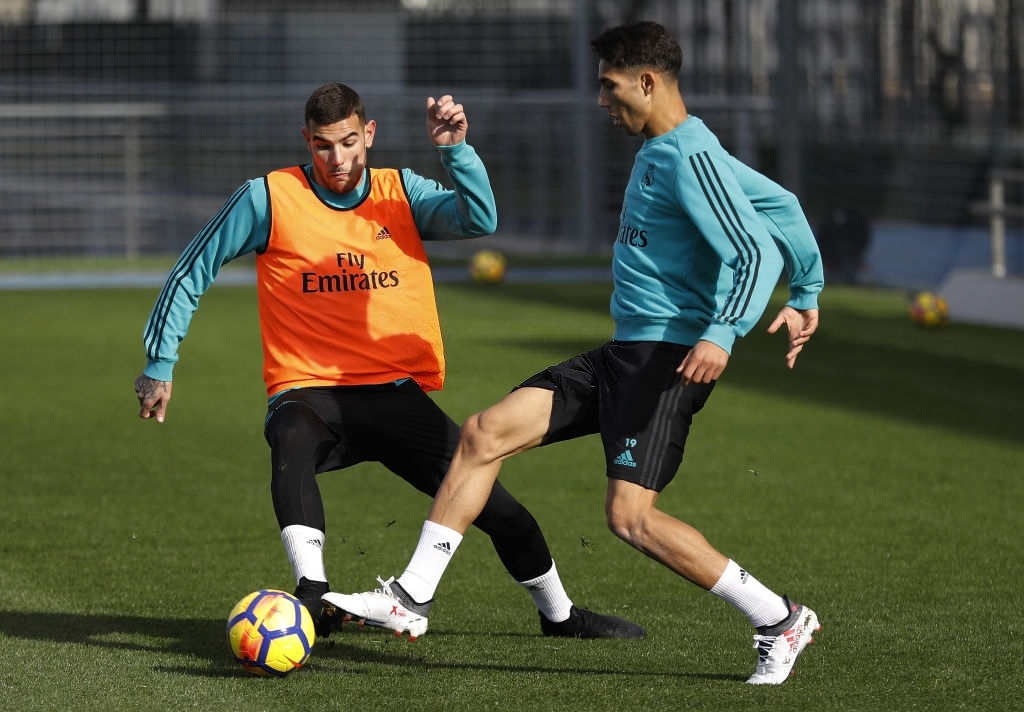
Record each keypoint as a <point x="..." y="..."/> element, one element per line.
<point x="997" y="211"/>
<point x="121" y="119"/>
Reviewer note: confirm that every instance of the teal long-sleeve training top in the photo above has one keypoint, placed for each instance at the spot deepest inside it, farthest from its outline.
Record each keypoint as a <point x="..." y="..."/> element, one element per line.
<point x="702" y="241"/>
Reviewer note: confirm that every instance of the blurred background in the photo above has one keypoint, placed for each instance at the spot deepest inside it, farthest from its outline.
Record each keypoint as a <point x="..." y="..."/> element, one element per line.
<point x="125" y="124"/>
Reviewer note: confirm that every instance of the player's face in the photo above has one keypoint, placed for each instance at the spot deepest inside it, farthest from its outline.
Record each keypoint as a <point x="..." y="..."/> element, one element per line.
<point x="339" y="152"/>
<point x="623" y="96"/>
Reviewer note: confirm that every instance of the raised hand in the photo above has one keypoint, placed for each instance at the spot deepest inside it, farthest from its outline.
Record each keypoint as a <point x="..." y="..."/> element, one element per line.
<point x="446" y="121"/>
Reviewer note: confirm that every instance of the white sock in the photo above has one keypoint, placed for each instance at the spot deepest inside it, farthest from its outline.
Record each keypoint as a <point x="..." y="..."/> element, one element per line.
<point x="426" y="567"/>
<point x="305" y="549"/>
<point x="549" y="595"/>
<point x="750" y="596"/>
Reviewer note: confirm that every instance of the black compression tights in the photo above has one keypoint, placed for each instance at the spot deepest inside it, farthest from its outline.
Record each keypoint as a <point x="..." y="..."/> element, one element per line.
<point x="300" y="443"/>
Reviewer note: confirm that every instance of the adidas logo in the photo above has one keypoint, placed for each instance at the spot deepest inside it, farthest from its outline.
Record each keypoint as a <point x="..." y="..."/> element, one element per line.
<point x="743" y="576"/>
<point x="793" y="639"/>
<point x="384" y="233"/>
<point x="626" y="458"/>
<point x="444" y="547"/>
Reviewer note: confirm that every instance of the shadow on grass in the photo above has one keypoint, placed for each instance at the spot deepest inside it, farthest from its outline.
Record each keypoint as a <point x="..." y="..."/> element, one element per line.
<point x="566" y="653"/>
<point x="205" y="639"/>
<point x="202" y="638"/>
<point x="955" y="393"/>
<point x="879" y="363"/>
<point x="915" y="377"/>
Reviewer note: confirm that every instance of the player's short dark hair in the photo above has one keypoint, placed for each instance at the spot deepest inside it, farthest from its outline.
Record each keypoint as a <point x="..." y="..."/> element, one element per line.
<point x="639" y="45"/>
<point x="332" y="103"/>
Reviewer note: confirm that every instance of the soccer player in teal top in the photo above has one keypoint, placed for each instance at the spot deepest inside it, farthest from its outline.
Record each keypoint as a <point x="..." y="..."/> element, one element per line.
<point x="701" y="244"/>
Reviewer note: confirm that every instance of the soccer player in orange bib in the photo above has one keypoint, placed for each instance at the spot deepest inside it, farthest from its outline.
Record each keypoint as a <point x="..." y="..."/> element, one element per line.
<point x="351" y="336"/>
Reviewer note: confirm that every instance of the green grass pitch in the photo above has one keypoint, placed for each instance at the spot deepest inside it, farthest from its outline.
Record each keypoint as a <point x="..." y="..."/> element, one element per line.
<point x="880" y="482"/>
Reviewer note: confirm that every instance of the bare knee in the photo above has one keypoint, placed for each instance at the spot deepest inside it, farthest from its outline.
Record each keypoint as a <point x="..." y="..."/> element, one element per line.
<point x="476" y="442"/>
<point x="627" y="523"/>
<point x="513" y="425"/>
<point x="631" y="514"/>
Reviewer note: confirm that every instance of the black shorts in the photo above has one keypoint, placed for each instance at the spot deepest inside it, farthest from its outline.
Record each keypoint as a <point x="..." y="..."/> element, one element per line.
<point x="397" y="425"/>
<point x="629" y="392"/>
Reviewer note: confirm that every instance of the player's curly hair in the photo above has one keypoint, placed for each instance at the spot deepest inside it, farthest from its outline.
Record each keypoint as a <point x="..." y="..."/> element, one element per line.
<point x="646" y="45"/>
<point x="332" y="103"/>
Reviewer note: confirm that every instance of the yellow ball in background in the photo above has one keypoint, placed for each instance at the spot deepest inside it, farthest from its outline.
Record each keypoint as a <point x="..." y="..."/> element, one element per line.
<point x="487" y="267"/>
<point x="929" y="310"/>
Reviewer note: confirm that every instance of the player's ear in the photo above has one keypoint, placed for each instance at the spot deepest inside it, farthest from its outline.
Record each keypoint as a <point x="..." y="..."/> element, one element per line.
<point x="369" y="131"/>
<point x="647" y="82"/>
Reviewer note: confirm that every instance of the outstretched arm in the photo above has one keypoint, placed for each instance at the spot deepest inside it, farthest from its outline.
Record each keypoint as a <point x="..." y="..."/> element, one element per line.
<point x="241" y="226"/>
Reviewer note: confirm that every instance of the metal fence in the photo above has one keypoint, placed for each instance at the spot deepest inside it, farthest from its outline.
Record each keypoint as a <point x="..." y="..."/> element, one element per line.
<point x="124" y="125"/>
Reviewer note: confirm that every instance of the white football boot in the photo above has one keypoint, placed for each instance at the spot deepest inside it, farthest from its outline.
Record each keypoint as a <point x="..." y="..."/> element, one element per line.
<point x="386" y="607"/>
<point x="779" y="646"/>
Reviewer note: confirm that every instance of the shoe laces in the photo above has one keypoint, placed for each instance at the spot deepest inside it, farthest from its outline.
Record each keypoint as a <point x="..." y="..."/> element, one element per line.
<point x="764" y="644"/>
<point x="385" y="586"/>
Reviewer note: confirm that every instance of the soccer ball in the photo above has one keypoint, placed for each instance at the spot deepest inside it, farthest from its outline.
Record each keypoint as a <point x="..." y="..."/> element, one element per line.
<point x="271" y="633"/>
<point x="487" y="267"/>
<point x="929" y="310"/>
